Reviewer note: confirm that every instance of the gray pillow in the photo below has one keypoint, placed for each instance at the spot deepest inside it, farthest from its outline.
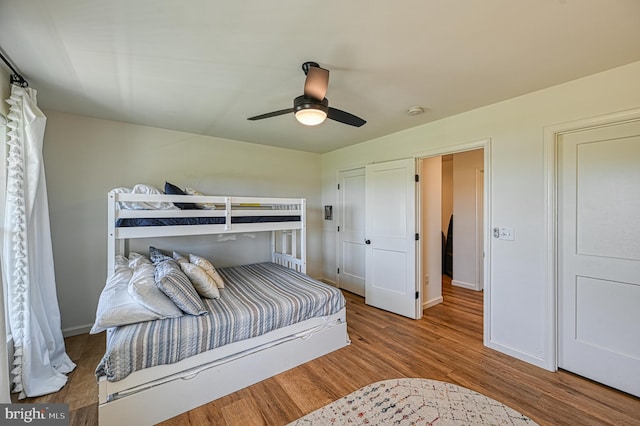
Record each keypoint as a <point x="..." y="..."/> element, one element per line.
<point x="177" y="286"/>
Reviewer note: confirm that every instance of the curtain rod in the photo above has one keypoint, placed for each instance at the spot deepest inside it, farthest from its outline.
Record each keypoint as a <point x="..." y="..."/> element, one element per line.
<point x="16" y="78"/>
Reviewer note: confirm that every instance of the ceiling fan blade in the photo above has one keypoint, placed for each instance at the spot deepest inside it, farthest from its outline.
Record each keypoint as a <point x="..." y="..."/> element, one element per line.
<point x="271" y="114"/>
<point x="345" y="117"/>
<point x="315" y="86"/>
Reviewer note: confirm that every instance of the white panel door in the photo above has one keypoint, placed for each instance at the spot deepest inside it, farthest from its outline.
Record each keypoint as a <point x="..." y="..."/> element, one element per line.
<point x="390" y="237"/>
<point x="351" y="217"/>
<point x="599" y="255"/>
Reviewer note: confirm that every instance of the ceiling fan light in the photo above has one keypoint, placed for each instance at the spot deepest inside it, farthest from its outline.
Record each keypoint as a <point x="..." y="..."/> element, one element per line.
<point x="311" y="116"/>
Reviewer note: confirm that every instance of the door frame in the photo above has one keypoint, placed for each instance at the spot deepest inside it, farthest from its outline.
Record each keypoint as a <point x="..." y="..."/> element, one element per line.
<point x="337" y="214"/>
<point x="480" y="230"/>
<point x="552" y="136"/>
<point x="485" y="145"/>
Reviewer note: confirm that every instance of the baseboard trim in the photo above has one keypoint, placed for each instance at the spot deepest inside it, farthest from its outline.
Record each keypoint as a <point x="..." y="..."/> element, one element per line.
<point x="464" y="285"/>
<point x="74" y="331"/>
<point x="326" y="281"/>
<point x="523" y="356"/>
<point x="432" y="302"/>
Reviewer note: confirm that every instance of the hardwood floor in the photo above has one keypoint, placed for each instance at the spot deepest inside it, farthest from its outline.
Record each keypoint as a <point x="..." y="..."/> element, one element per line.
<point x="445" y="345"/>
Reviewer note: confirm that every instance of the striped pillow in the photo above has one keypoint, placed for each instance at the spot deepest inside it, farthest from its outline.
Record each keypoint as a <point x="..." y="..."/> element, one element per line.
<point x="176" y="285"/>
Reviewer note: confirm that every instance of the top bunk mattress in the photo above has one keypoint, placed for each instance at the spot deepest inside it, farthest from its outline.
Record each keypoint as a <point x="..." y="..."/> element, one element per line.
<point x="256" y="299"/>
<point x="176" y="221"/>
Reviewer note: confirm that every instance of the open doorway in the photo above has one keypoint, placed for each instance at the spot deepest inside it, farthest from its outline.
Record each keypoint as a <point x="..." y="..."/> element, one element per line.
<point x="426" y="272"/>
<point x="452" y="206"/>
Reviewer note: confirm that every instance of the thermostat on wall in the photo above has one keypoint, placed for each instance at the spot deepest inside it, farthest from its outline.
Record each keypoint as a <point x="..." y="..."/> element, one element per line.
<point x="328" y="212"/>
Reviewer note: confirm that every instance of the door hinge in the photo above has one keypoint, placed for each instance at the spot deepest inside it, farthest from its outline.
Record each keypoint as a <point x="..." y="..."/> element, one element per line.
<point x="338" y="186"/>
<point x="338" y="229"/>
<point x="417" y="178"/>
<point x="417" y="236"/>
<point x="338" y="270"/>
<point x="417" y="295"/>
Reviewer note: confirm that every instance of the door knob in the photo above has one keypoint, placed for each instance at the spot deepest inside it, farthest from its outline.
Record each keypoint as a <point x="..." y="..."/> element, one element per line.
<point x="367" y="241"/>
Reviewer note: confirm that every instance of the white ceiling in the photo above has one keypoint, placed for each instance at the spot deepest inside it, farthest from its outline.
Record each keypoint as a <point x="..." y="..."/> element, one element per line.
<point x="204" y="66"/>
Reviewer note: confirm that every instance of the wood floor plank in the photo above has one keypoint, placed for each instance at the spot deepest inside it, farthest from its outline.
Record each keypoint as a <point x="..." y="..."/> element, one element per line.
<point x="87" y="415"/>
<point x="276" y="406"/>
<point x="241" y="413"/>
<point x="303" y="391"/>
<point x="446" y="345"/>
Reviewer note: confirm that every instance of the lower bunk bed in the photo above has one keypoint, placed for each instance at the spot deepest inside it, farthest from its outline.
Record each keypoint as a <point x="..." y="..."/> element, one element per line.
<point x="268" y="318"/>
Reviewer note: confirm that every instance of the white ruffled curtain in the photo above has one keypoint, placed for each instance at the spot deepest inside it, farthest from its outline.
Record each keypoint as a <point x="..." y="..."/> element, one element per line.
<point x="40" y="362"/>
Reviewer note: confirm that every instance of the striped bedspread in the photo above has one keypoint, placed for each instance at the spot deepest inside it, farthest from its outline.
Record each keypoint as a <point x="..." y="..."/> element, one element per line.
<point x="256" y="299"/>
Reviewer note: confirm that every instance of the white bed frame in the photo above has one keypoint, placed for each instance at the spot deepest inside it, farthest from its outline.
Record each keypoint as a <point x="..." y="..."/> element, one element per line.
<point x="158" y="393"/>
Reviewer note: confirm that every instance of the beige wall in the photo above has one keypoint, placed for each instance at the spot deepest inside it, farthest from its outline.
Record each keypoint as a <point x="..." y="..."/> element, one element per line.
<point x="518" y="269"/>
<point x="86" y="157"/>
<point x="465" y="248"/>
<point x="431" y="235"/>
<point x="5" y="89"/>
<point x="447" y="192"/>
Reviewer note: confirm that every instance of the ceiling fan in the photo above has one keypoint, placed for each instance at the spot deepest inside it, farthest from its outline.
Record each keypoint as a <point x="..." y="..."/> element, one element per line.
<point x="313" y="108"/>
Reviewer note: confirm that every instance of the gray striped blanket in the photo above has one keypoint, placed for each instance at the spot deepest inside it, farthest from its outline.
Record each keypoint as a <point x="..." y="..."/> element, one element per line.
<point x="256" y="299"/>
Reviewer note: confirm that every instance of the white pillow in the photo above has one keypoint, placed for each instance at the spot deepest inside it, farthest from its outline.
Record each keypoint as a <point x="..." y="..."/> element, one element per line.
<point x="142" y="188"/>
<point x="191" y="191"/>
<point x="136" y="259"/>
<point x="115" y="306"/>
<point x="202" y="282"/>
<point x="121" y="262"/>
<point x="142" y="288"/>
<point x="208" y="267"/>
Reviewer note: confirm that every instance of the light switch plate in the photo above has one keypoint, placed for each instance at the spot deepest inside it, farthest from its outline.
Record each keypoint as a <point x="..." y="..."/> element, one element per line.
<point x="506" y="234"/>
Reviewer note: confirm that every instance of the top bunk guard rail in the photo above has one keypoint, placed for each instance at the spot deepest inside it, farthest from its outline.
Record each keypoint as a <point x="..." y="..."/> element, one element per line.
<point x="226" y="207"/>
<point x="216" y="199"/>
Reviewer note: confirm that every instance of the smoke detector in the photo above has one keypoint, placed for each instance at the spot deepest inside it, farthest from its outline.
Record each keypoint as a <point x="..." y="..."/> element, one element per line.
<point x="415" y="110"/>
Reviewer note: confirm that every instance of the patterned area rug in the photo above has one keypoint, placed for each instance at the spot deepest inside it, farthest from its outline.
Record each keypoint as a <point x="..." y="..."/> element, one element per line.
<point x="414" y="402"/>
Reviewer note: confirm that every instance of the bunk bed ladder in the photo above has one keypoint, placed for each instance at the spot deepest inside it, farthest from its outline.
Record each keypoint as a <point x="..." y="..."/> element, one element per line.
<point x="291" y="254"/>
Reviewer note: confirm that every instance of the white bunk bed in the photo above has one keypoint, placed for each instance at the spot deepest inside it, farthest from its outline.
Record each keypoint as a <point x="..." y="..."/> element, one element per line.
<point x="154" y="394"/>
